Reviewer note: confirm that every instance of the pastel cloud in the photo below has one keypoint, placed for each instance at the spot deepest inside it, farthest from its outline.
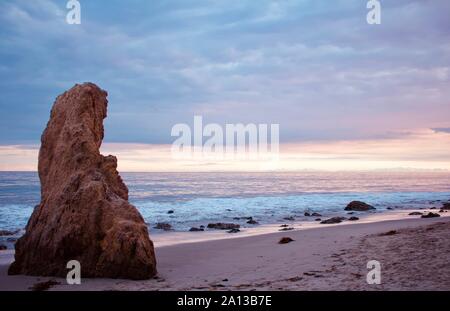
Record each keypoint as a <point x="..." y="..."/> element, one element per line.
<point x="314" y="67"/>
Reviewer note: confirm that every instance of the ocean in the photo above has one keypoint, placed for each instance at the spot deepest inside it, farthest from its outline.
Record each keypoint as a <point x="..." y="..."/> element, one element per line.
<point x="200" y="198"/>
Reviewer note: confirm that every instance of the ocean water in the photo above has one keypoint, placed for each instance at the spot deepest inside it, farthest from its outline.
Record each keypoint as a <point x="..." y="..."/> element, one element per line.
<point x="199" y="198"/>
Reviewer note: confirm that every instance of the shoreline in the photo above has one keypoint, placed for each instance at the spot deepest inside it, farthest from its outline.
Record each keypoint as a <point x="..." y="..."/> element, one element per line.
<point x="171" y="238"/>
<point x="321" y="257"/>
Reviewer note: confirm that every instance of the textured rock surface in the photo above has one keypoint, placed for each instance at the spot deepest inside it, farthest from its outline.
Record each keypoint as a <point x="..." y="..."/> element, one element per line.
<point x="223" y="226"/>
<point x="430" y="215"/>
<point x="333" y="220"/>
<point x="84" y="212"/>
<point x="358" y="206"/>
<point x="285" y="240"/>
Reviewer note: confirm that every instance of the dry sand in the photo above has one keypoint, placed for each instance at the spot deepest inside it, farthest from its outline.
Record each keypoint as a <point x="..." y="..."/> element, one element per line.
<point x="325" y="257"/>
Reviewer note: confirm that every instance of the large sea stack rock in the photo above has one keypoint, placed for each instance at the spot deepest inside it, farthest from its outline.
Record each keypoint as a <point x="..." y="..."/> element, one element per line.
<point x="84" y="212"/>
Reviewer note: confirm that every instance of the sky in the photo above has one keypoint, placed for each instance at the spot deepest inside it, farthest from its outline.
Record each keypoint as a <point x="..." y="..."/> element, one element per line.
<point x="346" y="94"/>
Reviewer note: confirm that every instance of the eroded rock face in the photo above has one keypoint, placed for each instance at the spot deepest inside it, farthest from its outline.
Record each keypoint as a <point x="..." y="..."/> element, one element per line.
<point x="84" y="212"/>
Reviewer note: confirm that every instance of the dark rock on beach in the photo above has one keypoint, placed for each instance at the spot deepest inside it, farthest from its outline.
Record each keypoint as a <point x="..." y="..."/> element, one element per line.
<point x="312" y="214"/>
<point x="430" y="215"/>
<point x="359" y="206"/>
<point x="333" y="220"/>
<point x="285" y="240"/>
<point x="318" y="219"/>
<point x="3" y="247"/>
<point x="252" y="222"/>
<point x="163" y="226"/>
<point x="84" y="213"/>
<point x="415" y="214"/>
<point x="223" y="226"/>
<point x="234" y="230"/>
<point x="446" y="206"/>
<point x="353" y="218"/>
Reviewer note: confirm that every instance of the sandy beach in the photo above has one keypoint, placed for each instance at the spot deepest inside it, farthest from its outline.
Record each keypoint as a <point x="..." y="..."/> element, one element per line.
<point x="413" y="253"/>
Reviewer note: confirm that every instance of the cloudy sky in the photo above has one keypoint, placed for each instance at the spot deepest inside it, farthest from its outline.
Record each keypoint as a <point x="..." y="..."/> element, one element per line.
<point x="347" y="95"/>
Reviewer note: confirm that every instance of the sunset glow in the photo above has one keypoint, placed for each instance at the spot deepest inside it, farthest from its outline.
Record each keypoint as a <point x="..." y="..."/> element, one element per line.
<point x="419" y="150"/>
